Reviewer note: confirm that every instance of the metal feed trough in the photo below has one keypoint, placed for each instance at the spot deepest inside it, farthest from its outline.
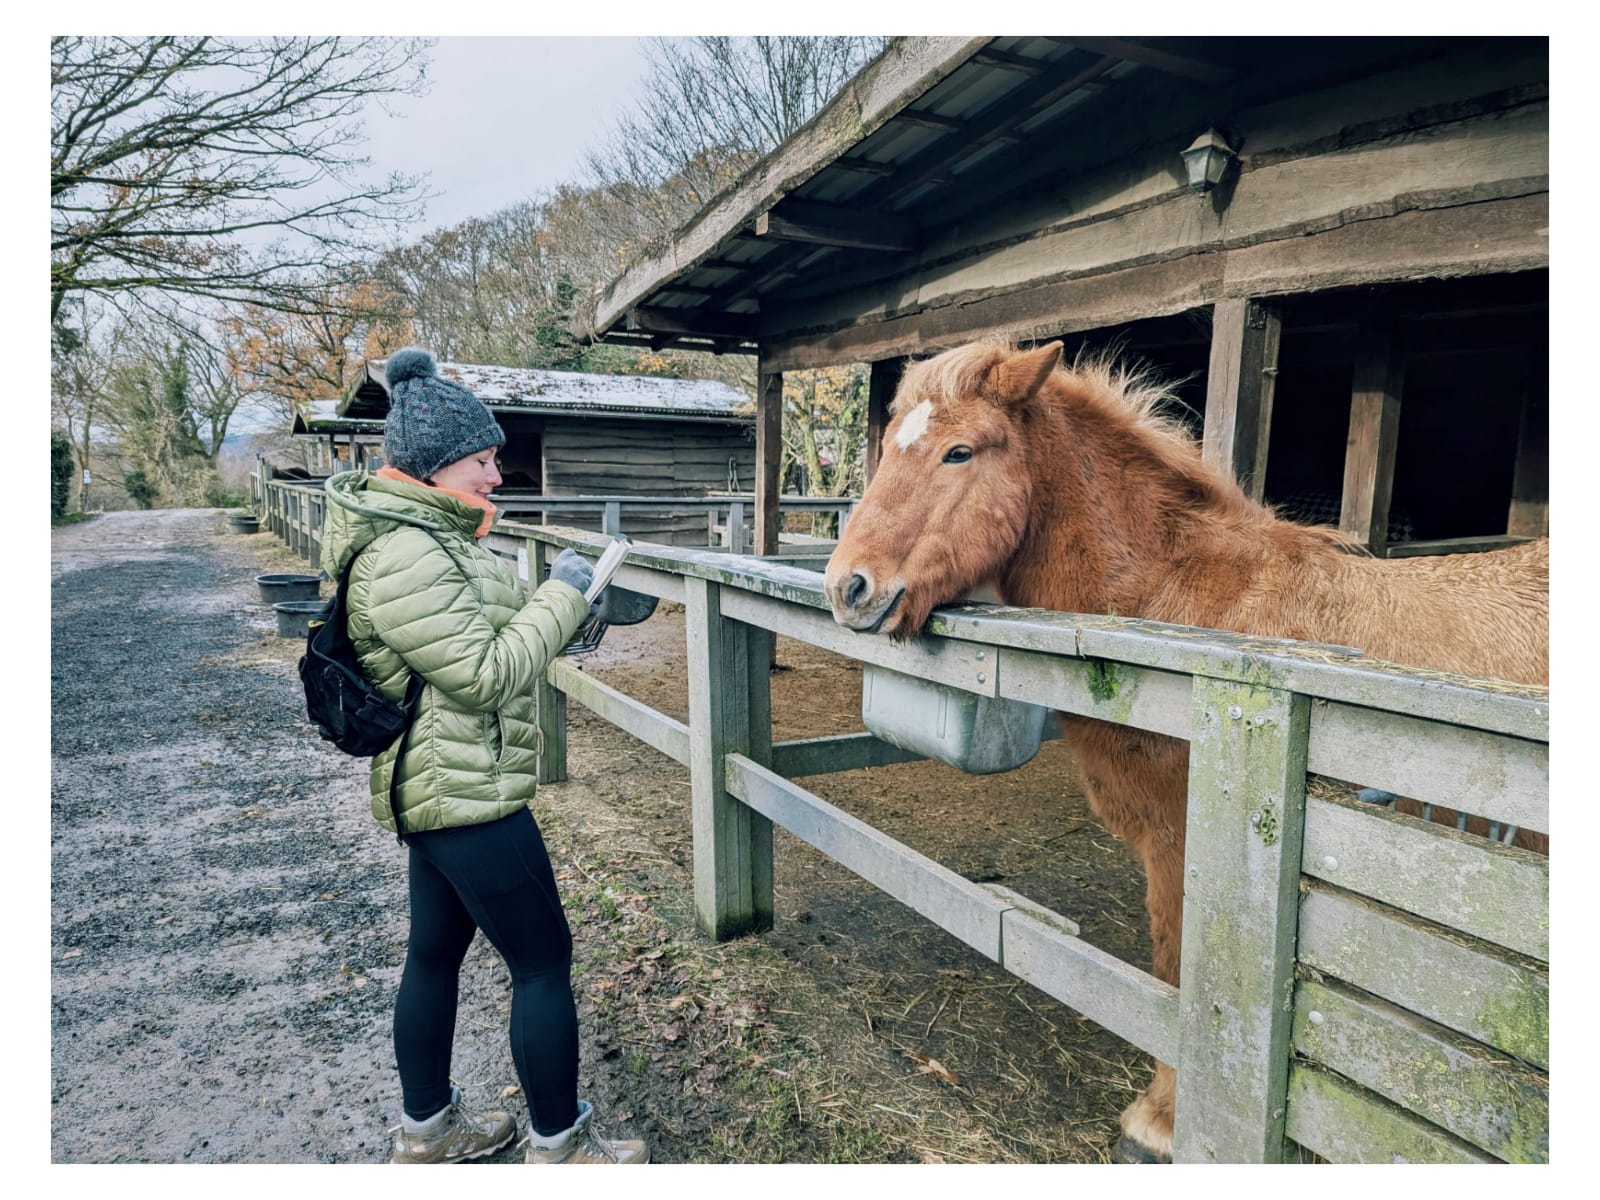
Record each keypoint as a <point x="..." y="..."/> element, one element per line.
<point x="1416" y="956"/>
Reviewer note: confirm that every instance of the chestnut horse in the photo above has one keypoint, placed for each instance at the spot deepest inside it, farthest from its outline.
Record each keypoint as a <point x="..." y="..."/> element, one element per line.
<point x="1006" y="474"/>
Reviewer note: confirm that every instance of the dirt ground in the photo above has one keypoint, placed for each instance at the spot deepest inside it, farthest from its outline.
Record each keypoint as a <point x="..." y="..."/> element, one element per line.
<point x="228" y="923"/>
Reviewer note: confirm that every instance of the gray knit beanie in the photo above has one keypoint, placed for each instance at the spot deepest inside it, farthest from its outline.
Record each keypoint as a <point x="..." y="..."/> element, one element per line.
<point x="432" y="422"/>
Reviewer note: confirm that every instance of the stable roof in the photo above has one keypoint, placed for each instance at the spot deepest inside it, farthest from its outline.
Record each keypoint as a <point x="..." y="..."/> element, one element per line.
<point x="947" y="155"/>
<point x="565" y="393"/>
<point x="321" y="419"/>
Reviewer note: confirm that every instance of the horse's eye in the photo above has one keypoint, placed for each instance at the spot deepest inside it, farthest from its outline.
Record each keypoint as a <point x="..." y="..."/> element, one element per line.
<point x="958" y="454"/>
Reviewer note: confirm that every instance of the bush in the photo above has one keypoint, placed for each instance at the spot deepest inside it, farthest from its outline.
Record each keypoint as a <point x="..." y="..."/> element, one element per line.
<point x="140" y="487"/>
<point x="61" y="465"/>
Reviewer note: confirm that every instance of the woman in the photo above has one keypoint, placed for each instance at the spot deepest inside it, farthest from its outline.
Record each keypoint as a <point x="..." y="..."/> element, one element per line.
<point x="427" y="597"/>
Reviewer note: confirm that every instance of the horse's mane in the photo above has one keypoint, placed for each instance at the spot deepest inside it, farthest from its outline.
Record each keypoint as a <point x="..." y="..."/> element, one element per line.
<point x="1121" y="385"/>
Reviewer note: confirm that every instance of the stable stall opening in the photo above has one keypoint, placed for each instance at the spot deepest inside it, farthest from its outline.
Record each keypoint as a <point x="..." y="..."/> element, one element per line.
<point x="1468" y="398"/>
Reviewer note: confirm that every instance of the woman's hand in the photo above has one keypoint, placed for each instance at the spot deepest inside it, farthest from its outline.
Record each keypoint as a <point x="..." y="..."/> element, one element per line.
<point x="571" y="568"/>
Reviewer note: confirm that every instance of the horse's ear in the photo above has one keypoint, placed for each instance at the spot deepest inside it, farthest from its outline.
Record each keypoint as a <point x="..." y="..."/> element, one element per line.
<point x="1022" y="375"/>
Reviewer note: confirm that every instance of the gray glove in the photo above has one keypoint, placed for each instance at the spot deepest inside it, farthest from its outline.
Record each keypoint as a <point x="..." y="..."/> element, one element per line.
<point x="570" y="568"/>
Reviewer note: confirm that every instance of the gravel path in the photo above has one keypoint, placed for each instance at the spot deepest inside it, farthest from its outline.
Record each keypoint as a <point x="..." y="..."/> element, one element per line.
<point x="227" y="923"/>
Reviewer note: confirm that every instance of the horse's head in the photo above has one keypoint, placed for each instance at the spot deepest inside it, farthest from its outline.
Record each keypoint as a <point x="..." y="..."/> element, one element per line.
<point x="948" y="506"/>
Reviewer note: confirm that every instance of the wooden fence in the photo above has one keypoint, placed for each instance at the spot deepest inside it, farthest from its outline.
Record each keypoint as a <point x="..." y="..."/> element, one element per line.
<point x="1363" y="984"/>
<point x="1356" y="982"/>
<point x="294" y="508"/>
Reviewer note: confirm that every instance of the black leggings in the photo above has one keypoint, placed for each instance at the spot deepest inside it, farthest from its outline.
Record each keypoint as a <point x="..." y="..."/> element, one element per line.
<point x="495" y="877"/>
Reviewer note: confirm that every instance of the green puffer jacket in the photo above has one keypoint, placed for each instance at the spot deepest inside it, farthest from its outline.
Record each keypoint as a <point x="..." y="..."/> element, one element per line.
<point x="426" y="596"/>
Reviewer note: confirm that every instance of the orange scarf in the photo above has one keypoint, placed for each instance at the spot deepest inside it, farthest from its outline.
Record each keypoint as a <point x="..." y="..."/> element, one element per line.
<point x="395" y="475"/>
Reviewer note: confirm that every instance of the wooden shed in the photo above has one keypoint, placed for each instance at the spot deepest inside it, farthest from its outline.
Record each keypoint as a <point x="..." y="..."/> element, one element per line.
<point x="1358" y="303"/>
<point x="342" y="442"/>
<point x="569" y="433"/>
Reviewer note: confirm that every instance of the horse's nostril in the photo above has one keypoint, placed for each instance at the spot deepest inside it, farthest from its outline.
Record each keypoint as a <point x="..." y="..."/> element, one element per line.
<point x="856" y="590"/>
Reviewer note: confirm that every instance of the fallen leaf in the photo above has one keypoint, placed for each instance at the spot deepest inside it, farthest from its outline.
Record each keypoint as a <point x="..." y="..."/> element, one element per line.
<point x="510" y="1090"/>
<point x="672" y="1032"/>
<point x="75" y="952"/>
<point x="932" y="1066"/>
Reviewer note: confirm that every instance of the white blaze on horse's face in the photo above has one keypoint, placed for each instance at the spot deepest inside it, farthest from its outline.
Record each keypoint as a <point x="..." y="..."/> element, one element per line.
<point x="913" y="426"/>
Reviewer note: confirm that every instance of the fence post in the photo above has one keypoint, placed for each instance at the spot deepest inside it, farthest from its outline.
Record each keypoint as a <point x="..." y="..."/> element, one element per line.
<point x="730" y="712"/>
<point x="1247" y="780"/>
<point x="611" y="520"/>
<point x="735" y="540"/>
<point x="550" y="704"/>
<point x="315" y="536"/>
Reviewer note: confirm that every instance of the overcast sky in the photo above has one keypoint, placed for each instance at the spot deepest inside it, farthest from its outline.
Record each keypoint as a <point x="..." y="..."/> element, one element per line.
<point x="505" y="118"/>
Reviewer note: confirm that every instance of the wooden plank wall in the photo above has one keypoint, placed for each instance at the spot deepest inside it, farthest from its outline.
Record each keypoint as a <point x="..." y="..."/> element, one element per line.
<point x="646" y="458"/>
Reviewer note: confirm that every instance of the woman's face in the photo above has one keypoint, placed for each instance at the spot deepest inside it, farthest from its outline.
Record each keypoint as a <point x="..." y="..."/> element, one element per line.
<point x="476" y="474"/>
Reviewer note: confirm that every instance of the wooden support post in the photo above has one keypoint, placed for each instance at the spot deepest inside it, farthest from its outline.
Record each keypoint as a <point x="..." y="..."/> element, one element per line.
<point x="884" y="378"/>
<point x="1530" y="486"/>
<point x="735" y="535"/>
<point x="550" y="704"/>
<point x="769" y="457"/>
<point x="730" y="712"/>
<point x="1247" y="768"/>
<point x="1374" y="434"/>
<point x="1240" y="384"/>
<point x="611" y="519"/>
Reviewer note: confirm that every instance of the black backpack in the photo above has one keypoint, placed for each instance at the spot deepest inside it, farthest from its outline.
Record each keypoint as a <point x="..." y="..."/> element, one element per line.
<point x="343" y="703"/>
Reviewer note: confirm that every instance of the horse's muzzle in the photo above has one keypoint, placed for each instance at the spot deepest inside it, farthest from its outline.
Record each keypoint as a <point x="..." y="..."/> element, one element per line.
<point x="857" y="604"/>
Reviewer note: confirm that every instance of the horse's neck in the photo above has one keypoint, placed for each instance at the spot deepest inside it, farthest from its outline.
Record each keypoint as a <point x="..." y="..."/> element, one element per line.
<point x="1116" y="519"/>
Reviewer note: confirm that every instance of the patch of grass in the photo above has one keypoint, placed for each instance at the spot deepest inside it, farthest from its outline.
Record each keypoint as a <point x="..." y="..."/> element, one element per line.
<point x="72" y="518"/>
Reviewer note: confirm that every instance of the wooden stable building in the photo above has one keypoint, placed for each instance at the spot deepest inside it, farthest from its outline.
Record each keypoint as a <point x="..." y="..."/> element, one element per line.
<point x="343" y="443"/>
<point x="1356" y="299"/>
<point x="570" y="433"/>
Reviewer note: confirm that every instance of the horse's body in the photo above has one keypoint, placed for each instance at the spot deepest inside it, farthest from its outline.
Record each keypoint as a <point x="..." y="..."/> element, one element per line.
<point x="1064" y="489"/>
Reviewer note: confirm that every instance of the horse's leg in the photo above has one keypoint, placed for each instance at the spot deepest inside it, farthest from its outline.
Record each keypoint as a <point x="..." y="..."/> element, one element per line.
<point x="1137" y="785"/>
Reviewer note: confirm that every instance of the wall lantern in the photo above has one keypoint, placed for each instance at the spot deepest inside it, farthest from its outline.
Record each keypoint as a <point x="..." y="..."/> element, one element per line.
<point x="1206" y="160"/>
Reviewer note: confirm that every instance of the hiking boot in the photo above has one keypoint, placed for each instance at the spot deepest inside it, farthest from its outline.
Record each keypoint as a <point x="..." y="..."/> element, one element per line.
<point x="581" y="1146"/>
<point x="454" y="1134"/>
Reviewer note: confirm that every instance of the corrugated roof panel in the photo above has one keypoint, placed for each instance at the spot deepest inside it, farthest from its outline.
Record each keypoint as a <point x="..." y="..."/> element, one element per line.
<point x="971" y="90"/>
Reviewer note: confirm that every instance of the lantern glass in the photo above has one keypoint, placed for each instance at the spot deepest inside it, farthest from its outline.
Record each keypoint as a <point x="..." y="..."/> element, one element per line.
<point x="1206" y="161"/>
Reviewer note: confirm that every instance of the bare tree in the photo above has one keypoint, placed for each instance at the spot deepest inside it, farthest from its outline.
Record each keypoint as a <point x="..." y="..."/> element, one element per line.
<point x="712" y="106"/>
<point x="173" y="161"/>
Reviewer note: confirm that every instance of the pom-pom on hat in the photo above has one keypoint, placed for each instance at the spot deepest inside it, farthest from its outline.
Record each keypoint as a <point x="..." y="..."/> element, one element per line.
<point x="432" y="422"/>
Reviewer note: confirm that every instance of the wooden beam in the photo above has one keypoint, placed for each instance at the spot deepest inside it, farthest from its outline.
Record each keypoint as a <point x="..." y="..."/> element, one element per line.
<point x="1245" y="335"/>
<point x="1482" y="239"/>
<point x="834" y="225"/>
<point x="927" y="120"/>
<point x="881" y="383"/>
<point x="769" y="457"/>
<point x="1374" y="434"/>
<point x="1530" y="484"/>
<point x="1183" y="65"/>
<point x="864" y="166"/>
<point x="1005" y="60"/>
<point x="693" y="321"/>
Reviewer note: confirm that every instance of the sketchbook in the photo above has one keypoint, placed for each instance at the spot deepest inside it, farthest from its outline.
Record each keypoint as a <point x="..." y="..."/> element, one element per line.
<point x="607" y="566"/>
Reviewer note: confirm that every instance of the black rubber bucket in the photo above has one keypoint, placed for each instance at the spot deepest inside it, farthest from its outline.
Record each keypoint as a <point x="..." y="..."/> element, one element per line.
<point x="294" y="616"/>
<point x="619" y="606"/>
<point x="289" y="587"/>
<point x="243" y="523"/>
